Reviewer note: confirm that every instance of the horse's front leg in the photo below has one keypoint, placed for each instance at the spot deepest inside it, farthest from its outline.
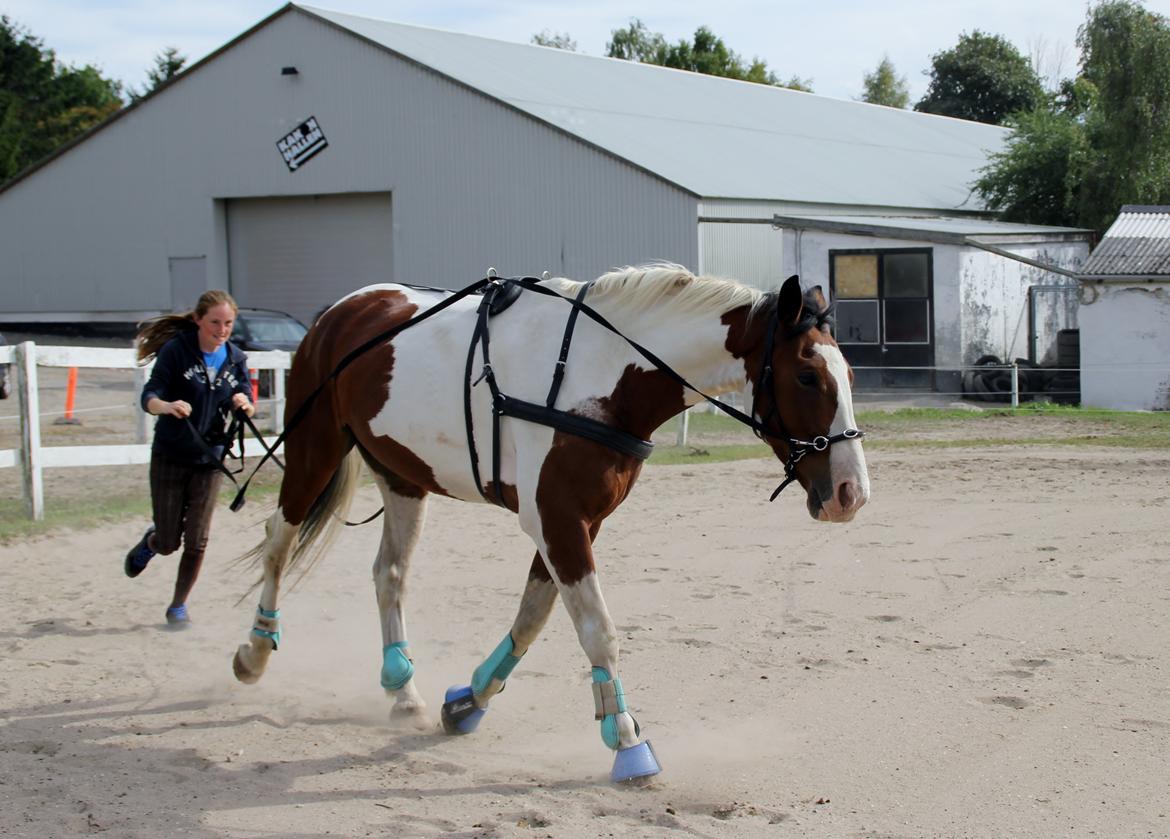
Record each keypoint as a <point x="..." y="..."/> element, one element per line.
<point x="252" y="658"/>
<point x="464" y="705"/>
<point x="568" y="549"/>
<point x="405" y="511"/>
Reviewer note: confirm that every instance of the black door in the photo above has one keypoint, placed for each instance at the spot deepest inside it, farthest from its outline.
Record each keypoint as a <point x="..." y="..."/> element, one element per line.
<point x="884" y="315"/>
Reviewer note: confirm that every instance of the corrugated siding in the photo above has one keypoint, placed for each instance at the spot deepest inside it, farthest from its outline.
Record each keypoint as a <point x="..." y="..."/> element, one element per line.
<point x="752" y="253"/>
<point x="1137" y="243"/>
<point x="475" y="183"/>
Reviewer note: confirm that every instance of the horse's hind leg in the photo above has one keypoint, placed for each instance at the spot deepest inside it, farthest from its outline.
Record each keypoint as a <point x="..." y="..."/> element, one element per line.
<point x="465" y="705"/>
<point x="405" y="511"/>
<point x="251" y="658"/>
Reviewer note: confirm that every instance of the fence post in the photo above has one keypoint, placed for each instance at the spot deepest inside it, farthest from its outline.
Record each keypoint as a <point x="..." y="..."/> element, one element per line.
<point x="142" y="419"/>
<point x="1015" y="385"/>
<point x="278" y="400"/>
<point x="30" y="430"/>
<point x="683" y="418"/>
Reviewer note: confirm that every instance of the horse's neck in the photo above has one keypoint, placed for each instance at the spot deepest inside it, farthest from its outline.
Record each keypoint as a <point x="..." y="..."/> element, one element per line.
<point x="695" y="347"/>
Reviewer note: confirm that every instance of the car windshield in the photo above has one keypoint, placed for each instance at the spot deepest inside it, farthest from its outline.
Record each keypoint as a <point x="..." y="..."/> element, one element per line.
<point x="275" y="330"/>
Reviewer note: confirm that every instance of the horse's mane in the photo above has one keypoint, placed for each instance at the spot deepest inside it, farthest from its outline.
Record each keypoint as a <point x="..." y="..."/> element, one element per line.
<point x="661" y="284"/>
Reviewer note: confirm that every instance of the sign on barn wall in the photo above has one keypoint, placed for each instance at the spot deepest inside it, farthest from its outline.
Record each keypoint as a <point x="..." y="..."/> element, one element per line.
<point x="302" y="143"/>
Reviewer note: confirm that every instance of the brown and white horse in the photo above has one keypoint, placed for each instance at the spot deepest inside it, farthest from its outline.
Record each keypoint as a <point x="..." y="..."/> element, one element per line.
<point x="400" y="407"/>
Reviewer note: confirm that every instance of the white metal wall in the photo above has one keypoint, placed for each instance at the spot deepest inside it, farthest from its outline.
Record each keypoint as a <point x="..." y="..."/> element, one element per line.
<point x="1125" y="346"/>
<point x="751" y="253"/>
<point x="475" y="183"/>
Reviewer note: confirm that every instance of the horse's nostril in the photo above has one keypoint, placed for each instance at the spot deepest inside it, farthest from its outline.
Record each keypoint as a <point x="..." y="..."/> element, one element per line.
<point x="846" y="495"/>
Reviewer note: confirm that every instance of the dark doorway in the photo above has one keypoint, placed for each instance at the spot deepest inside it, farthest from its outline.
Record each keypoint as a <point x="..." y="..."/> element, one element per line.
<point x="885" y="314"/>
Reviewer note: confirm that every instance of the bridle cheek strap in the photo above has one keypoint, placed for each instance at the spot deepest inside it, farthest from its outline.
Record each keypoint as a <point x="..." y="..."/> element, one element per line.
<point x="797" y="449"/>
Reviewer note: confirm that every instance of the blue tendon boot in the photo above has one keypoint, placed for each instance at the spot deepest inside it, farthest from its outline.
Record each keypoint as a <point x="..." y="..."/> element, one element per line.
<point x="461" y="714"/>
<point x="633" y="762"/>
<point x="397" y="668"/>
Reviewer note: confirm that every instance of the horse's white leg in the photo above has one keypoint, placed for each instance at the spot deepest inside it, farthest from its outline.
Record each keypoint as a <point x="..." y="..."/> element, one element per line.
<point x="401" y="527"/>
<point x="251" y="658"/>
<point x="569" y="555"/>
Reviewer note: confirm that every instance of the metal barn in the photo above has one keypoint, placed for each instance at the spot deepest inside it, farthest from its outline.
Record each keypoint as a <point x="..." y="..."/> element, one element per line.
<point x="318" y="152"/>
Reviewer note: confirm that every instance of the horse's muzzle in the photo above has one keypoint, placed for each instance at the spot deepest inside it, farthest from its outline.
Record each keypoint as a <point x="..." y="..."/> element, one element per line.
<point x="842" y="503"/>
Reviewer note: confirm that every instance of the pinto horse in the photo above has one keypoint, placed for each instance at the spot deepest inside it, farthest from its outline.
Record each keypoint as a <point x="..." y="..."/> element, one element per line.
<point x="414" y="407"/>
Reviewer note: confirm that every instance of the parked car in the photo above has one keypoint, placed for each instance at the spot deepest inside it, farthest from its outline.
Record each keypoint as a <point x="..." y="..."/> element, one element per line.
<point x="258" y="330"/>
<point x="5" y="388"/>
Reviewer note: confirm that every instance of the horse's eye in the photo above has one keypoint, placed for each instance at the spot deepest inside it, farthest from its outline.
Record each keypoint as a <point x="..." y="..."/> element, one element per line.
<point x="807" y="379"/>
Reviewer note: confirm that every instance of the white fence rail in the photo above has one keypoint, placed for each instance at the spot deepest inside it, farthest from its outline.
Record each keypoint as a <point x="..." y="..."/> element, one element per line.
<point x="33" y="457"/>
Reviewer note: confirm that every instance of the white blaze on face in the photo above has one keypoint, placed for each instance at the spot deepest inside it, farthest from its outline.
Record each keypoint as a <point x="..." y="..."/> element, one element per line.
<point x="846" y="458"/>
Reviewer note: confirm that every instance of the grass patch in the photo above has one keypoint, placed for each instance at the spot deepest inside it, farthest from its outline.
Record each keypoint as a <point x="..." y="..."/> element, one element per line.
<point x="678" y="455"/>
<point x="65" y="513"/>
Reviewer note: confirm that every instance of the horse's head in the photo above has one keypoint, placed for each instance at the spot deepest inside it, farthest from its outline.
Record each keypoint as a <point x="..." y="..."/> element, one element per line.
<point x="802" y="396"/>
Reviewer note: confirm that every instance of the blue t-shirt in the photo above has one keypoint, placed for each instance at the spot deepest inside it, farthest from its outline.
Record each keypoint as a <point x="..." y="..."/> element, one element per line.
<point x="214" y="360"/>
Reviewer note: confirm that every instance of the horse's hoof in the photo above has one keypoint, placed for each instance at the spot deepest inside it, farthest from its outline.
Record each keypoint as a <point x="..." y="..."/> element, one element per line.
<point x="243" y="672"/>
<point x="460" y="713"/>
<point x="410" y="715"/>
<point x="635" y="764"/>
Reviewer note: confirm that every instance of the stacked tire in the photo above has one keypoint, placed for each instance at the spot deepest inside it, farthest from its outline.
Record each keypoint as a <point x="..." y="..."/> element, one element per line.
<point x="991" y="380"/>
<point x="1066" y="378"/>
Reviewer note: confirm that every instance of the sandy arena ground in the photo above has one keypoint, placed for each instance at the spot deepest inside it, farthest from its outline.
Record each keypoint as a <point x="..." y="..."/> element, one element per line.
<point x="982" y="653"/>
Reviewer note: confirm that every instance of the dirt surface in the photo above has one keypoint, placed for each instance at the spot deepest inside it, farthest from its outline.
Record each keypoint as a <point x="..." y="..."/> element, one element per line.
<point x="981" y="653"/>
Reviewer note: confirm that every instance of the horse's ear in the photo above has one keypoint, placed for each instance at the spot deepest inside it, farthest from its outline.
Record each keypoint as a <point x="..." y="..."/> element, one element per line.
<point x="816" y="297"/>
<point x="791" y="301"/>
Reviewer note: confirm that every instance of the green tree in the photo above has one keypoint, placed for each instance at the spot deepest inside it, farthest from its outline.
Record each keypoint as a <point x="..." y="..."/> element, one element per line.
<point x="1037" y="178"/>
<point x="706" y="54"/>
<point x="44" y="104"/>
<point x="557" y="40"/>
<point x="1103" y="140"/>
<point x="983" y="78"/>
<point x="885" y="87"/>
<point x="167" y="64"/>
<point x="1125" y="58"/>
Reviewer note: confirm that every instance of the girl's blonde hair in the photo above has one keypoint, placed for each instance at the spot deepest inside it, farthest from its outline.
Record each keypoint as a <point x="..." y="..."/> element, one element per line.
<point x="155" y="332"/>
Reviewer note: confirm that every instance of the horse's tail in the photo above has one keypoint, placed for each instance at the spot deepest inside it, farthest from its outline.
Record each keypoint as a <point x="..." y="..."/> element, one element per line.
<point x="322" y="523"/>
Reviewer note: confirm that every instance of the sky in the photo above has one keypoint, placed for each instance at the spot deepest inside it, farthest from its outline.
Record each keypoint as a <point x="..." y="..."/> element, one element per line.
<point x="832" y="42"/>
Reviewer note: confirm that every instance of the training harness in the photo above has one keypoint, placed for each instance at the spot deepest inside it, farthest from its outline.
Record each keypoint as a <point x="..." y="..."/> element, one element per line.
<point x="498" y="294"/>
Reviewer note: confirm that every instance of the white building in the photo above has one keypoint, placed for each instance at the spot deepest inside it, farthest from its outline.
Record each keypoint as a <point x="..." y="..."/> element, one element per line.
<point x="318" y="152"/>
<point x="1125" y="314"/>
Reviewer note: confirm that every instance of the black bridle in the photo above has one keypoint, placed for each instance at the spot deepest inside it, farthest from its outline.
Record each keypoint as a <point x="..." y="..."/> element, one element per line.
<point x="765" y="383"/>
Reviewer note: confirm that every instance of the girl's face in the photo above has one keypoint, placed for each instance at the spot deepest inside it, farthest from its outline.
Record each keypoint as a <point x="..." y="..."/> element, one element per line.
<point x="215" y="326"/>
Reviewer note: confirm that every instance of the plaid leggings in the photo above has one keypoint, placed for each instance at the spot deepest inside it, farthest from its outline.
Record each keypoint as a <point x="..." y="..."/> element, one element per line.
<point x="183" y="498"/>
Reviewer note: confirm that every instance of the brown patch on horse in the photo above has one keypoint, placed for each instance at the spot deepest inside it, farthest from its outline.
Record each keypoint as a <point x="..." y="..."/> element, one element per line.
<point x="363" y="388"/>
<point x="582" y="482"/>
<point x="539" y="571"/>
<point x="641" y="401"/>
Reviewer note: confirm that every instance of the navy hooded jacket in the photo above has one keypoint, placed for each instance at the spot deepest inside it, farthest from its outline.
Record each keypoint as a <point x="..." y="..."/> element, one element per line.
<point x="179" y="373"/>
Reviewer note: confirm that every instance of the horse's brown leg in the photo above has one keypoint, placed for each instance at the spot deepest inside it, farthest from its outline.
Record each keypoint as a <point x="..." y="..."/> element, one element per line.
<point x="465" y="705"/>
<point x="536" y="604"/>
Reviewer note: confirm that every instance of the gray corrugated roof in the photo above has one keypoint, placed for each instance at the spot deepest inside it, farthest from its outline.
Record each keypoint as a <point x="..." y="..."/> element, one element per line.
<point x="931" y="226"/>
<point x="1136" y="244"/>
<point x="715" y="137"/>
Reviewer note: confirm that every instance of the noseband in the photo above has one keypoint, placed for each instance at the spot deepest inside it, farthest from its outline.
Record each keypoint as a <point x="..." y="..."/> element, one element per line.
<point x="765" y="382"/>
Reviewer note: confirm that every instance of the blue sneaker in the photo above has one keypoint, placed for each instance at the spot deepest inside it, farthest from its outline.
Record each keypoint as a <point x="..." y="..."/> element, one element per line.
<point x="177" y="616"/>
<point x="139" y="556"/>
